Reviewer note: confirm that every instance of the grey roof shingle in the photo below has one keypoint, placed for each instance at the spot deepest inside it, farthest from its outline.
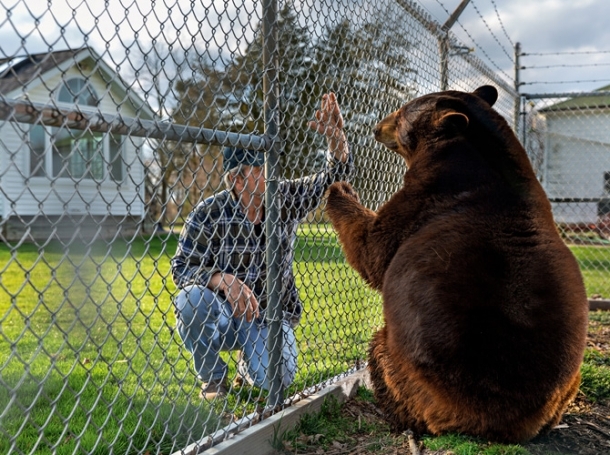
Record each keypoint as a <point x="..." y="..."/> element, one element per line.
<point x="21" y="71"/>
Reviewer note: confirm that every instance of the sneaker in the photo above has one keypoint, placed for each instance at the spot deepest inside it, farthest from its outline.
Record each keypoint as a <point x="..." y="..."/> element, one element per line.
<point x="216" y="388"/>
<point x="243" y="377"/>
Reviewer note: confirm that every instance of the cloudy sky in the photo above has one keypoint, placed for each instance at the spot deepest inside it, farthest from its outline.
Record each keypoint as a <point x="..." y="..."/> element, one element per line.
<point x="572" y="36"/>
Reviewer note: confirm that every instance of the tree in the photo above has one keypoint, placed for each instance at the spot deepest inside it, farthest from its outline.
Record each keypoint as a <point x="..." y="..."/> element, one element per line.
<point x="231" y="98"/>
<point x="369" y="66"/>
<point x="178" y="172"/>
<point x="153" y="69"/>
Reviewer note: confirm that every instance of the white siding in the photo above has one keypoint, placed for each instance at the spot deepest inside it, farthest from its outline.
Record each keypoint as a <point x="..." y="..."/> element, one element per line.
<point x="577" y="156"/>
<point x="575" y="212"/>
<point x="576" y="169"/>
<point x="40" y="93"/>
<point x="12" y="165"/>
<point x="585" y="125"/>
<point x="4" y="133"/>
<point x="44" y="196"/>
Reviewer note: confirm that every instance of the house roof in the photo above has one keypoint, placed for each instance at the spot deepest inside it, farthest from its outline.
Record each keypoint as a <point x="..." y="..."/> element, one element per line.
<point x="16" y="72"/>
<point x="581" y="103"/>
<point x="28" y="71"/>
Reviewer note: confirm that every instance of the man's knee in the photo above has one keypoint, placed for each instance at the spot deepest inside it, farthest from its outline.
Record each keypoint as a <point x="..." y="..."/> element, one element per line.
<point x="196" y="302"/>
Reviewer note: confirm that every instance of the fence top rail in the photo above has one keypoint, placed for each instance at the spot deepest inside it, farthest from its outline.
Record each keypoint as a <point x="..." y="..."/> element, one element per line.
<point x="38" y="113"/>
<point x="533" y="96"/>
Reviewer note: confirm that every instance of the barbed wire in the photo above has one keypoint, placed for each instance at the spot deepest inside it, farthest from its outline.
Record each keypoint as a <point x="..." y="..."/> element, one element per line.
<point x="576" y="65"/>
<point x="491" y="31"/>
<point x="443" y="6"/>
<point x="525" y="54"/>
<point x="481" y="49"/>
<point x="476" y="44"/>
<point x="502" y="24"/>
<point x="564" y="82"/>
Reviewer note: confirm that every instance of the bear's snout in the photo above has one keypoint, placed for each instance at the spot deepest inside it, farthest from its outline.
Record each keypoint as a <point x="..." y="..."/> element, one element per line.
<point x="385" y="131"/>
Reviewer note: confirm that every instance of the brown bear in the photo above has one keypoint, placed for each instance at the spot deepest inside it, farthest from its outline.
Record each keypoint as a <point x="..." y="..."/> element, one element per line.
<point x="484" y="305"/>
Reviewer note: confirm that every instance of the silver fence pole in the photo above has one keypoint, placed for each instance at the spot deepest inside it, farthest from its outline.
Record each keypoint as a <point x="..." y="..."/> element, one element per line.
<point x="272" y="211"/>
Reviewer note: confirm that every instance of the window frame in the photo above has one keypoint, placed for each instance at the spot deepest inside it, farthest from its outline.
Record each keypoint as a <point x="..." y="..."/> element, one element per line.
<point x="110" y="169"/>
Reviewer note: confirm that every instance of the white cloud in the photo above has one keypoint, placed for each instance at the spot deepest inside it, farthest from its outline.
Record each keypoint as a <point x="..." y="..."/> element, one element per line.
<point x="541" y="26"/>
<point x="111" y="27"/>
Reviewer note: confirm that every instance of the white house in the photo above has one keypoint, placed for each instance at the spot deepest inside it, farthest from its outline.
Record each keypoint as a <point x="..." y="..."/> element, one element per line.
<point x="576" y="157"/>
<point x="61" y="182"/>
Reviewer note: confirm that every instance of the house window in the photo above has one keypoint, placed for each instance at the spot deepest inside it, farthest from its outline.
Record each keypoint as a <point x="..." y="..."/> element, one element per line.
<point x="607" y="183"/>
<point x="75" y="154"/>
<point x="78" y="91"/>
<point x="115" y="149"/>
<point x="37" y="151"/>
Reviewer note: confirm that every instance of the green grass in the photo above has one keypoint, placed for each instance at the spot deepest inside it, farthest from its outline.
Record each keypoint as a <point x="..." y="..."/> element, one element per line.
<point x="89" y="359"/>
<point x="595" y="383"/>
<point x="594" y="264"/>
<point x="329" y="427"/>
<point x="464" y="445"/>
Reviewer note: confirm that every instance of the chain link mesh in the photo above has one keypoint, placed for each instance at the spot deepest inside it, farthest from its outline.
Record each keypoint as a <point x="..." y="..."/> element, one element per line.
<point x="113" y="118"/>
<point x="567" y="141"/>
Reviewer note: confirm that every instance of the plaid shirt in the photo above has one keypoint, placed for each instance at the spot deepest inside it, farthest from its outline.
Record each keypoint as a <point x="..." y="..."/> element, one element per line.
<point x="217" y="237"/>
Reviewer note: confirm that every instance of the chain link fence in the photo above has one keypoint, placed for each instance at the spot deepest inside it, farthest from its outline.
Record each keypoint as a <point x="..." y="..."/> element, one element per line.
<point x="567" y="136"/>
<point x="113" y="120"/>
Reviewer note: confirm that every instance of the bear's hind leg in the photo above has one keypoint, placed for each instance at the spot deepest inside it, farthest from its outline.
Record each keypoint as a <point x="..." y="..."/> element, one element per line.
<point x="390" y="399"/>
<point x="560" y="405"/>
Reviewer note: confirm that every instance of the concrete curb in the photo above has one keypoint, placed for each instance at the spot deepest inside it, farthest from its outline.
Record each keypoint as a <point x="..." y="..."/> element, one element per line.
<point x="256" y="440"/>
<point x="598" y="304"/>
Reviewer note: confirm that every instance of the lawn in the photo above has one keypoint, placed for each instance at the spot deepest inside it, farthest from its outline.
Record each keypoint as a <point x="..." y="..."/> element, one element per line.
<point x="89" y="359"/>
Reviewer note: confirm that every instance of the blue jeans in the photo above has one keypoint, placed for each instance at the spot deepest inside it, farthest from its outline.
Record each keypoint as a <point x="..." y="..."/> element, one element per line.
<point x="205" y="323"/>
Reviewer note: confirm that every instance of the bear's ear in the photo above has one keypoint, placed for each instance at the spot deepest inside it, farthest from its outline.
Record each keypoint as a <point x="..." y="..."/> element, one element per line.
<point x="487" y="93"/>
<point x="454" y="119"/>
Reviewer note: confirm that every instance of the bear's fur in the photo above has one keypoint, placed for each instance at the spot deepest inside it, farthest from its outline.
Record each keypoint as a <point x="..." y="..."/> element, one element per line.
<point x="484" y="306"/>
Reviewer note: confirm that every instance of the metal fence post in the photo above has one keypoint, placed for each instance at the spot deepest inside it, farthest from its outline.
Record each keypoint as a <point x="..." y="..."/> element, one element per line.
<point x="443" y="46"/>
<point x="272" y="215"/>
<point x="517" y="85"/>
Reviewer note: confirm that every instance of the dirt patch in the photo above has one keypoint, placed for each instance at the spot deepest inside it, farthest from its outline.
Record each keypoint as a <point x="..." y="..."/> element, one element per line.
<point x="584" y="430"/>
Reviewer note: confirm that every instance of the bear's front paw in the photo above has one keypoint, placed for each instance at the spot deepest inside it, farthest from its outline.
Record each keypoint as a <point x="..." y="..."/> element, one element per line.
<point x="342" y="190"/>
